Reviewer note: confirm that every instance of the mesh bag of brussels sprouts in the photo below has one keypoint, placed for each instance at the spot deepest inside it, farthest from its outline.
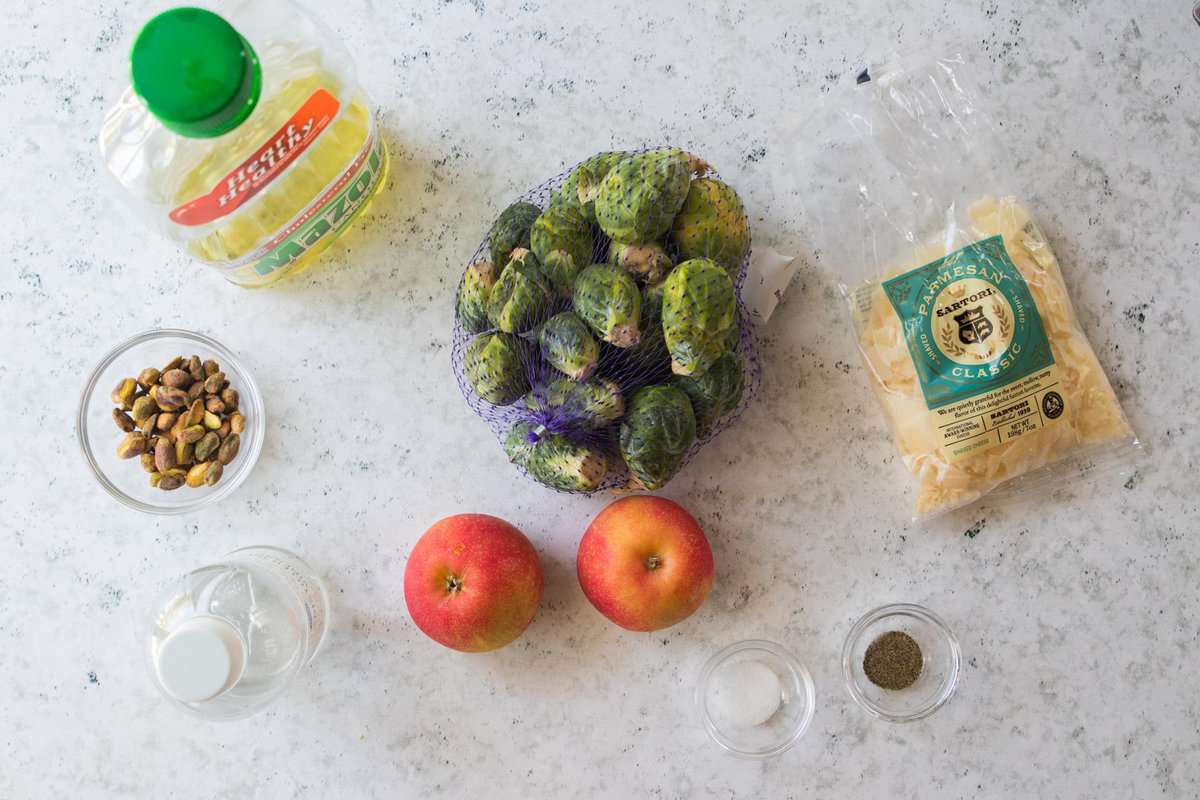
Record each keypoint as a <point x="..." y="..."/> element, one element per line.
<point x="599" y="327"/>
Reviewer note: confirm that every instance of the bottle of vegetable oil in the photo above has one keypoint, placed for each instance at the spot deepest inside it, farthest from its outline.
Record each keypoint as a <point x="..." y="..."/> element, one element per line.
<point x="245" y="137"/>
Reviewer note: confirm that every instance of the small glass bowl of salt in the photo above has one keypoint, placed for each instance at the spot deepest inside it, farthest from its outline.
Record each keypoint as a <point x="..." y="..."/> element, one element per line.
<point x="755" y="698"/>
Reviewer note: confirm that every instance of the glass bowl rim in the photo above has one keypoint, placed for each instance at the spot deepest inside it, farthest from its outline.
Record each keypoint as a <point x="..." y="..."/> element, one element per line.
<point x="945" y="692"/>
<point x="250" y="390"/>
<point x="798" y="669"/>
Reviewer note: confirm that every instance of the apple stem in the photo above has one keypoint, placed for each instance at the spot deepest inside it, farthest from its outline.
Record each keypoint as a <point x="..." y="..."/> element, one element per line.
<point x="453" y="583"/>
<point x="653" y="562"/>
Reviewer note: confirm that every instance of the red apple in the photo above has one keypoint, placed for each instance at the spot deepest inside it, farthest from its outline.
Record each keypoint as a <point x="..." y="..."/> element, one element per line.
<point x="644" y="563"/>
<point x="473" y="582"/>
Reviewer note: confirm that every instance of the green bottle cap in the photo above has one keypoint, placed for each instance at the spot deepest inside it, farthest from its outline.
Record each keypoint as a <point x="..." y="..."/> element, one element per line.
<point x="195" y="72"/>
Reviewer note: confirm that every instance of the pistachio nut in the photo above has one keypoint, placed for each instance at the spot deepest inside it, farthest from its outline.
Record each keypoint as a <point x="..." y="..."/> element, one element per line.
<point x="170" y="398"/>
<point x="155" y="478"/>
<point x="134" y="444"/>
<point x="196" y="390"/>
<point x="177" y="428"/>
<point x="237" y="422"/>
<point x="195" y="475"/>
<point x="230" y="397"/>
<point x="144" y="408"/>
<point x="123" y="394"/>
<point x="211" y="421"/>
<point x="148" y="462"/>
<point x="215" y="405"/>
<point x="215" y="470"/>
<point x="166" y="420"/>
<point x="172" y="480"/>
<point x="211" y="367"/>
<point x="164" y="455"/>
<point x="207" y="447"/>
<point x="192" y="434"/>
<point x="229" y="448"/>
<point x="148" y="424"/>
<point x="173" y="363"/>
<point x="185" y="453"/>
<point x="224" y="431"/>
<point x="148" y="377"/>
<point x="153" y="392"/>
<point x="196" y="368"/>
<point x="214" y="383"/>
<point x="177" y="379"/>
<point x="123" y="421"/>
<point x="195" y="414"/>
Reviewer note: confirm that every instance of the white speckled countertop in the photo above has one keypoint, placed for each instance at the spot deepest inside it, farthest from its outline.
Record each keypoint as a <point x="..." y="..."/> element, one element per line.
<point x="1079" y="615"/>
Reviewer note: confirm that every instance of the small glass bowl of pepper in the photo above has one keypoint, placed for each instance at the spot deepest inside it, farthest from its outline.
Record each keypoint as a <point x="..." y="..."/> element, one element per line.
<point x="901" y="662"/>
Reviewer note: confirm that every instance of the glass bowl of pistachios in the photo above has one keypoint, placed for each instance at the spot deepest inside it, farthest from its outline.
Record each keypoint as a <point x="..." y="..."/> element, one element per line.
<point x="170" y="421"/>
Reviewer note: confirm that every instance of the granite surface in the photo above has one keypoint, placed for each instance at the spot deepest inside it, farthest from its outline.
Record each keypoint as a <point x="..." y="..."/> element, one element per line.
<point x="1079" y="614"/>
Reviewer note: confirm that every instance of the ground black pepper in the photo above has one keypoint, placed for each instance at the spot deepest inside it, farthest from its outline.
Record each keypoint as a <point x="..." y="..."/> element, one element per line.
<point x="893" y="661"/>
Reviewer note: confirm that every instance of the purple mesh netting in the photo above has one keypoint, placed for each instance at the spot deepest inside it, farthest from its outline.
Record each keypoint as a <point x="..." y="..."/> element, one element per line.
<point x="613" y="364"/>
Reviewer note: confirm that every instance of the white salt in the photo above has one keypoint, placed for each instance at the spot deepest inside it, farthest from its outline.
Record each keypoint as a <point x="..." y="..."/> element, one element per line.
<point x="745" y="694"/>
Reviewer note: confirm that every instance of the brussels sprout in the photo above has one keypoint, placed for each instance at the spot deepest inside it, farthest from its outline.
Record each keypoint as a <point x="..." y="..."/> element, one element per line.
<point x="643" y="192"/>
<point x="715" y="393"/>
<point x="568" y="346"/>
<point x="652" y="328"/>
<point x="554" y="460"/>
<point x="648" y="361"/>
<point x="649" y="262"/>
<point x="583" y="184"/>
<point x="656" y="434"/>
<point x="562" y="241"/>
<point x="733" y="340"/>
<point x="473" y="292"/>
<point x="595" y="403"/>
<point x="519" y="443"/>
<point x="699" y="306"/>
<point x="511" y="231"/>
<point x="494" y="364"/>
<point x="521" y="295"/>
<point x="712" y="224"/>
<point x="608" y="300"/>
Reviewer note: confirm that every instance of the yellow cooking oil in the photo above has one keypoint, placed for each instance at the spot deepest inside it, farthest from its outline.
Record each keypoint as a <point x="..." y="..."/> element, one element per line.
<point x="322" y="163"/>
<point x="244" y="136"/>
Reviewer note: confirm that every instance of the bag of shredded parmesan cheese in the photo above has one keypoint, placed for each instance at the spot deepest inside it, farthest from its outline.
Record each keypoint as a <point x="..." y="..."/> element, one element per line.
<point x="961" y="314"/>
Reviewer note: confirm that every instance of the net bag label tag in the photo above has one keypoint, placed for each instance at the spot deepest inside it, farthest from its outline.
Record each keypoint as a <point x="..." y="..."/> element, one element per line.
<point x="767" y="279"/>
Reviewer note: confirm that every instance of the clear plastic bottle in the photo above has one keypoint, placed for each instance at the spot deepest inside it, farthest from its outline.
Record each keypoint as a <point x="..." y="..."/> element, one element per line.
<point x="245" y="137"/>
<point x="229" y="638"/>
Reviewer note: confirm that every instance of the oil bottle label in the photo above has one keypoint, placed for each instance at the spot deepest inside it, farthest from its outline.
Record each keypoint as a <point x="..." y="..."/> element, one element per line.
<point x="329" y="214"/>
<point x="264" y="165"/>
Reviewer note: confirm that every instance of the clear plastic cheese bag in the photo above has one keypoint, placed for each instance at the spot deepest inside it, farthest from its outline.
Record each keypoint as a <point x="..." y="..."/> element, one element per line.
<point x="960" y="312"/>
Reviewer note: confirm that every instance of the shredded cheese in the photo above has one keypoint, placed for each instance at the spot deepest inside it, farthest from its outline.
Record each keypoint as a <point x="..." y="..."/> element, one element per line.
<point x="950" y="477"/>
